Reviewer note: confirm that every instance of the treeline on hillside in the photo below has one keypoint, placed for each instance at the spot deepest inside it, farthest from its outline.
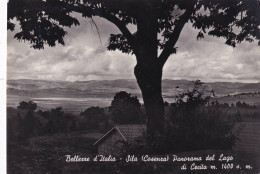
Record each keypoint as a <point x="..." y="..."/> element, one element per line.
<point x="238" y="104"/>
<point x="26" y="122"/>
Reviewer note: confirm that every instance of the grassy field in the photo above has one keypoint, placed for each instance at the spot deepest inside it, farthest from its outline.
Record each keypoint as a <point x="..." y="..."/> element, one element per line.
<point x="249" y="98"/>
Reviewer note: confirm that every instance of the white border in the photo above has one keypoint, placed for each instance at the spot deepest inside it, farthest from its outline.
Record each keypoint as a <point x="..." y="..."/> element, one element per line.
<point x="3" y="60"/>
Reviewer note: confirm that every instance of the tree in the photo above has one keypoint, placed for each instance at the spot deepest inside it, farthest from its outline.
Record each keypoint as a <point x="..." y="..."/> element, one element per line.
<point x="42" y="23"/>
<point x="194" y="98"/>
<point x="126" y="109"/>
<point x="29" y="125"/>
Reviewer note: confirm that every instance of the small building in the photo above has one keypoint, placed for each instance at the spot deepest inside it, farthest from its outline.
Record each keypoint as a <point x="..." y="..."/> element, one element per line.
<point x="111" y="143"/>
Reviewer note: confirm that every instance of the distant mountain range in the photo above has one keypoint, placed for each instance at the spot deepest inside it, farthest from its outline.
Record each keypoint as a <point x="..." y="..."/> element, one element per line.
<point x="103" y="91"/>
<point x="107" y="88"/>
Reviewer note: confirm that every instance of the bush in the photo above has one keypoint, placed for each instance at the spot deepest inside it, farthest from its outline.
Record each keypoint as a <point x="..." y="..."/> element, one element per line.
<point x="195" y="125"/>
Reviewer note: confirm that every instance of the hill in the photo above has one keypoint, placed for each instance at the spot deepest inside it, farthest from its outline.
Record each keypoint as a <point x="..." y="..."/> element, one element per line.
<point x="79" y="95"/>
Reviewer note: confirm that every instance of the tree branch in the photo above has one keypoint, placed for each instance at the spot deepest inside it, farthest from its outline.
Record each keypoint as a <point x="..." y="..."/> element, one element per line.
<point x="102" y="12"/>
<point x="169" y="46"/>
<point x="121" y="26"/>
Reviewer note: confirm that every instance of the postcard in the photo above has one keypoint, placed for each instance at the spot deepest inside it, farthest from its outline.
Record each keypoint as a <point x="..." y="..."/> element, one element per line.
<point x="140" y="86"/>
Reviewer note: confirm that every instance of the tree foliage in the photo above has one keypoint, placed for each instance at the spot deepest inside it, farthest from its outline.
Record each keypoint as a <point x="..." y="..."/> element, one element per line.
<point x="29" y="126"/>
<point x="126" y="109"/>
<point x="43" y="22"/>
<point x="94" y="118"/>
<point x="195" y="97"/>
<point x="58" y="121"/>
<point x="27" y="105"/>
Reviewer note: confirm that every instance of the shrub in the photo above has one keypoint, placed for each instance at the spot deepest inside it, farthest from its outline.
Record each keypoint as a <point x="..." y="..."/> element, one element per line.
<point x="195" y="125"/>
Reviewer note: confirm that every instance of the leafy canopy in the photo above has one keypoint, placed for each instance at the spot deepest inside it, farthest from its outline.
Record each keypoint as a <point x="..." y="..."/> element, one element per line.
<point x="43" y="22"/>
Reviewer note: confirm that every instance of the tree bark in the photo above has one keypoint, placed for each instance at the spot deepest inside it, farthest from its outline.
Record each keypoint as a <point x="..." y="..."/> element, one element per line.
<point x="149" y="79"/>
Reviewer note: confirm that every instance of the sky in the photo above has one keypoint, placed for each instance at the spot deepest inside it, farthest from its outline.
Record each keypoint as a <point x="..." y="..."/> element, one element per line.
<point x="85" y="57"/>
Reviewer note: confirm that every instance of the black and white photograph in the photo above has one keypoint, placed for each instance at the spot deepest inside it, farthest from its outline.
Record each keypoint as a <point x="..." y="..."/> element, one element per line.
<point x="133" y="87"/>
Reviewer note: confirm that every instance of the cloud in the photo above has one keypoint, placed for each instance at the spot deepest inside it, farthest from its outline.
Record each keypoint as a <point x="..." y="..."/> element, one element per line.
<point x="210" y="59"/>
<point x="84" y="57"/>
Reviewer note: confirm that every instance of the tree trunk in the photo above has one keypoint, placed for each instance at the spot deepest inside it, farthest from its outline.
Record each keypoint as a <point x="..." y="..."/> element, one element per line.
<point x="148" y="71"/>
<point x="149" y="79"/>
